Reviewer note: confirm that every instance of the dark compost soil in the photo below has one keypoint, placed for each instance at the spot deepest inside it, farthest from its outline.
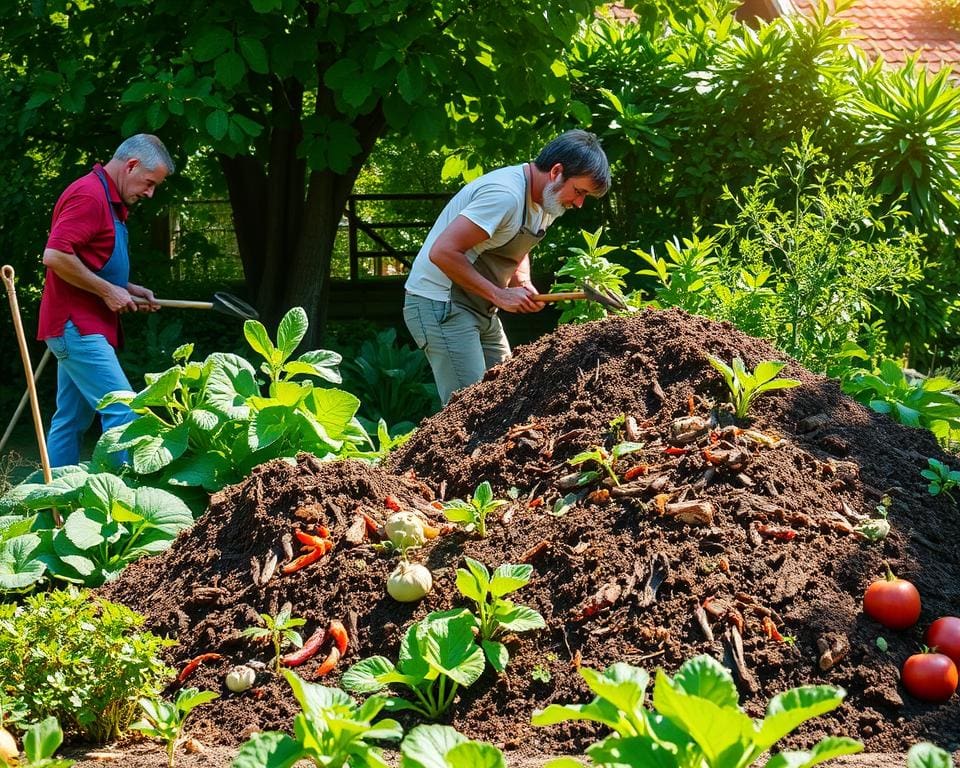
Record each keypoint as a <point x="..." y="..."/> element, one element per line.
<point x="616" y="580"/>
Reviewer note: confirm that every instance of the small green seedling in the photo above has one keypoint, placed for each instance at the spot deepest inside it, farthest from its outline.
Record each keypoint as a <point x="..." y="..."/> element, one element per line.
<point x="877" y="528"/>
<point x="745" y="386"/>
<point x="882" y="644"/>
<point x="541" y="673"/>
<point x="279" y="630"/>
<point x="927" y="755"/>
<point x="165" y="721"/>
<point x="40" y="743"/>
<point x="472" y="513"/>
<point x="942" y="479"/>
<point x="497" y="615"/>
<point x="605" y="459"/>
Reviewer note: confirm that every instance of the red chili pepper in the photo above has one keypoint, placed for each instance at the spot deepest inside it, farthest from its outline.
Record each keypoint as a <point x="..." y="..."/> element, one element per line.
<point x="372" y="525"/>
<point x="711" y="457"/>
<point x="338" y="634"/>
<point x="776" y="531"/>
<point x="392" y="504"/>
<point x="323" y="532"/>
<point x="536" y="502"/>
<point x="634" y="472"/>
<point x="330" y="662"/>
<point x="196" y="662"/>
<point x="308" y="651"/>
<point x="309" y="540"/>
<point x="673" y="450"/>
<point x="311" y="556"/>
<point x="770" y="629"/>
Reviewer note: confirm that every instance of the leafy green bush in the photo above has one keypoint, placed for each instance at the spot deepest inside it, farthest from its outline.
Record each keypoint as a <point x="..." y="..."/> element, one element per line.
<point x="83" y="660"/>
<point x="696" y="720"/>
<point x="208" y="424"/>
<point x="106" y="526"/>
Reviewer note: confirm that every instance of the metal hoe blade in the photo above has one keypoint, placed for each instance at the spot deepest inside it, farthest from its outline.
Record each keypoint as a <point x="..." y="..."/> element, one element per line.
<point x="605" y="296"/>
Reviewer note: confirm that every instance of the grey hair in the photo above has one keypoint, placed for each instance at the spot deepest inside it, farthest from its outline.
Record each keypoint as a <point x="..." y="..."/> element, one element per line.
<point x="580" y="154"/>
<point x="146" y="148"/>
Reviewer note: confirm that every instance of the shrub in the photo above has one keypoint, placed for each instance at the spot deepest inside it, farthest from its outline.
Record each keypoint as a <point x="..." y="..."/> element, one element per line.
<point x="83" y="660"/>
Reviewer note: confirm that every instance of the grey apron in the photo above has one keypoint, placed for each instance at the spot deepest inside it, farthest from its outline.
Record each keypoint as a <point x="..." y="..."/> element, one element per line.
<point x="498" y="265"/>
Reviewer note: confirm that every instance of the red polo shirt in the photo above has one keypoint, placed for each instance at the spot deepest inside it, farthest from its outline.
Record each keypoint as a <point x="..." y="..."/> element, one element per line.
<point x="82" y="225"/>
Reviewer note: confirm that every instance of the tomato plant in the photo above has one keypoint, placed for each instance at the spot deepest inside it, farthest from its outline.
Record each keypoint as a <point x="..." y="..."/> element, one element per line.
<point x="893" y="602"/>
<point x="944" y="636"/>
<point x="930" y="676"/>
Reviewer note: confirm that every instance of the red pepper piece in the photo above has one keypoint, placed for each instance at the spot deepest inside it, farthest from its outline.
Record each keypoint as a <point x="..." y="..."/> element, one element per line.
<point x="308" y="539"/>
<point x="436" y="504"/>
<point x="311" y="556"/>
<point x="776" y="531"/>
<point x="373" y="527"/>
<point x="308" y="651"/>
<point x="634" y="472"/>
<point x="323" y="532"/>
<point x="330" y="662"/>
<point x="535" y="502"/>
<point x="194" y="663"/>
<point x="392" y="504"/>
<point x="770" y="629"/>
<point x="338" y="633"/>
<point x="673" y="450"/>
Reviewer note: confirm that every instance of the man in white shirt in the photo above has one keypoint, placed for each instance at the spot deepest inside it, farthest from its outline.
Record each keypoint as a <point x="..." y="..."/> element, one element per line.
<point x="476" y="259"/>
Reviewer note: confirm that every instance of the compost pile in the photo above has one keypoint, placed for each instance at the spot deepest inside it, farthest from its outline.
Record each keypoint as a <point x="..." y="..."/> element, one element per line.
<point x="723" y="542"/>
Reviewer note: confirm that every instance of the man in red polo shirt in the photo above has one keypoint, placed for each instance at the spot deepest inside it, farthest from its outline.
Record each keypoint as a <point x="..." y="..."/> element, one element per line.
<point x="88" y="286"/>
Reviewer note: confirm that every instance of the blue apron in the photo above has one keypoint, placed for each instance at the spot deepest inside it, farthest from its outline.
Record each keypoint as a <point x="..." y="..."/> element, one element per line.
<point x="117" y="268"/>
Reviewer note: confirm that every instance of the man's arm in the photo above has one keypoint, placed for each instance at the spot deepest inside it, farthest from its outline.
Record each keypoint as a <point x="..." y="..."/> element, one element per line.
<point x="521" y="278"/>
<point x="69" y="268"/>
<point x="449" y="253"/>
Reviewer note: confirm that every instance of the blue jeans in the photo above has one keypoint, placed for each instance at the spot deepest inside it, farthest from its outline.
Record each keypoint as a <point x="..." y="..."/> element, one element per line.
<point x="87" y="369"/>
<point x="459" y="344"/>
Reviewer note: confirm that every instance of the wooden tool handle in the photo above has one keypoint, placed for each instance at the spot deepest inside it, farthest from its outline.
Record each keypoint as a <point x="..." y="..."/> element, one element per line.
<point x="177" y="303"/>
<point x="569" y="296"/>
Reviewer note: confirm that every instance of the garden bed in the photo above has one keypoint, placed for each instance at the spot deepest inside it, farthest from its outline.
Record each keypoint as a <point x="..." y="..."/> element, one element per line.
<point x="616" y="580"/>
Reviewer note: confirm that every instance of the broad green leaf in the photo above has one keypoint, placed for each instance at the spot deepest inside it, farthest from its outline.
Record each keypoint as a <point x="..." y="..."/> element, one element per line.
<point x="426" y="746"/>
<point x="203" y="471"/>
<point x="597" y="711"/>
<point x="259" y="340"/>
<point x="268" y="426"/>
<point x="927" y="755"/>
<point x="509" y="578"/>
<point x="13" y="525"/>
<point x="322" y="362"/>
<point x="827" y="749"/>
<point x="84" y="528"/>
<point x="788" y="710"/>
<point x="159" y="392"/>
<point x="334" y="409"/>
<point x="363" y="677"/>
<point x="449" y="648"/>
<point x="42" y="739"/>
<point x="203" y="419"/>
<point x="162" y="510"/>
<point x="255" y="54"/>
<point x="102" y="491"/>
<point x="18" y="568"/>
<point x="496" y="653"/>
<point x="154" y="453"/>
<point x="211" y="43"/>
<point x="632" y="752"/>
<point x="276" y="750"/>
<point x="706" y="677"/>
<point x="217" y="124"/>
<point x="290" y="332"/>
<point x="474" y="754"/>
<point x="623" y="686"/>
<point x="518" y="618"/>
<point x="232" y="380"/>
<point x="467" y="582"/>
<point x="766" y="370"/>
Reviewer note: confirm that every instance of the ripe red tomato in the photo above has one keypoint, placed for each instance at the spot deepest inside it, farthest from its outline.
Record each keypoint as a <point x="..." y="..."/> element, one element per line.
<point x="944" y="636"/>
<point x="893" y="602"/>
<point x="930" y="676"/>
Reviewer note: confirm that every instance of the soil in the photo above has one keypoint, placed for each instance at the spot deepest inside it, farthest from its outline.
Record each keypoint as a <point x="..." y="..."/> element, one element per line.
<point x="617" y="578"/>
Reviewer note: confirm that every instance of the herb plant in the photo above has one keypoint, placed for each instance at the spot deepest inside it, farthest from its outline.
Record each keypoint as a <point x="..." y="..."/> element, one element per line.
<point x="437" y="656"/>
<point x="472" y="513"/>
<point x="40" y="743"/>
<point x="205" y="425"/>
<point x="440" y="746"/>
<point x="165" y="721"/>
<point x="605" y="459"/>
<point x="330" y="730"/>
<point x="495" y="614"/>
<point x="589" y="265"/>
<point x="942" y="478"/>
<point x="744" y="386"/>
<point x="279" y="630"/>
<point x="106" y="526"/>
<point x="696" y="720"/>
<point x="83" y="660"/>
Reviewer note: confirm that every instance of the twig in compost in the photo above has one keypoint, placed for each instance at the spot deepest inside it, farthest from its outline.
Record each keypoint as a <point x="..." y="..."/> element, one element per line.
<point x="701" y="616"/>
<point x="734" y="644"/>
<point x="535" y="551"/>
<point x="659" y="571"/>
<point x="269" y="567"/>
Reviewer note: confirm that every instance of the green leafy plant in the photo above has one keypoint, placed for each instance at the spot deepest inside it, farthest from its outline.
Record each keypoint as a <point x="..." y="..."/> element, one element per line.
<point x="331" y="730"/>
<point x="472" y="513"/>
<point x="744" y="386"/>
<point x="606" y="460"/>
<point x="495" y="614"/>
<point x="83" y="660"/>
<point x="876" y="528"/>
<point x="40" y="744"/>
<point x="106" y="526"/>
<point x="438" y="656"/>
<point x="208" y="424"/>
<point x="165" y="721"/>
<point x="696" y="720"/>
<point x="942" y="478"/>
<point x="927" y="755"/>
<point x="278" y="630"/>
<point x="588" y="265"/>
<point x="440" y="746"/>
<point x="926" y="402"/>
<point x="541" y="673"/>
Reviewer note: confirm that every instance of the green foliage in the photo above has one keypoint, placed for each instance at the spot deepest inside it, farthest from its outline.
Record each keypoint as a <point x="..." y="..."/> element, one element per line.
<point x="440" y="746"/>
<point x="942" y="479"/>
<point x="744" y="386"/>
<point x="437" y="656"/>
<point x="393" y="382"/>
<point x="165" y="721"/>
<point x="80" y="659"/>
<point x="588" y="265"/>
<point x="106" y="526"/>
<point x="208" y="424"/>
<point x="930" y="403"/>
<point x="330" y="730"/>
<point x="606" y="460"/>
<point x="496" y="615"/>
<point x="472" y="513"/>
<point x="40" y="743"/>
<point x="927" y="755"/>
<point x="278" y="630"/>
<point x="696" y="720"/>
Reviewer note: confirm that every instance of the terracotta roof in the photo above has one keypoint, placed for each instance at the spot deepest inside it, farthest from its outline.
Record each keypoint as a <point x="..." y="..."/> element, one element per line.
<point x="895" y="29"/>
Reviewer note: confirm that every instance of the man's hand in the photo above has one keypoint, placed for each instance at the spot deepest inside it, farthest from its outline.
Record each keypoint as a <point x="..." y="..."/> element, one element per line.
<point x="140" y="292"/>
<point x="118" y="299"/>
<point x="518" y="299"/>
